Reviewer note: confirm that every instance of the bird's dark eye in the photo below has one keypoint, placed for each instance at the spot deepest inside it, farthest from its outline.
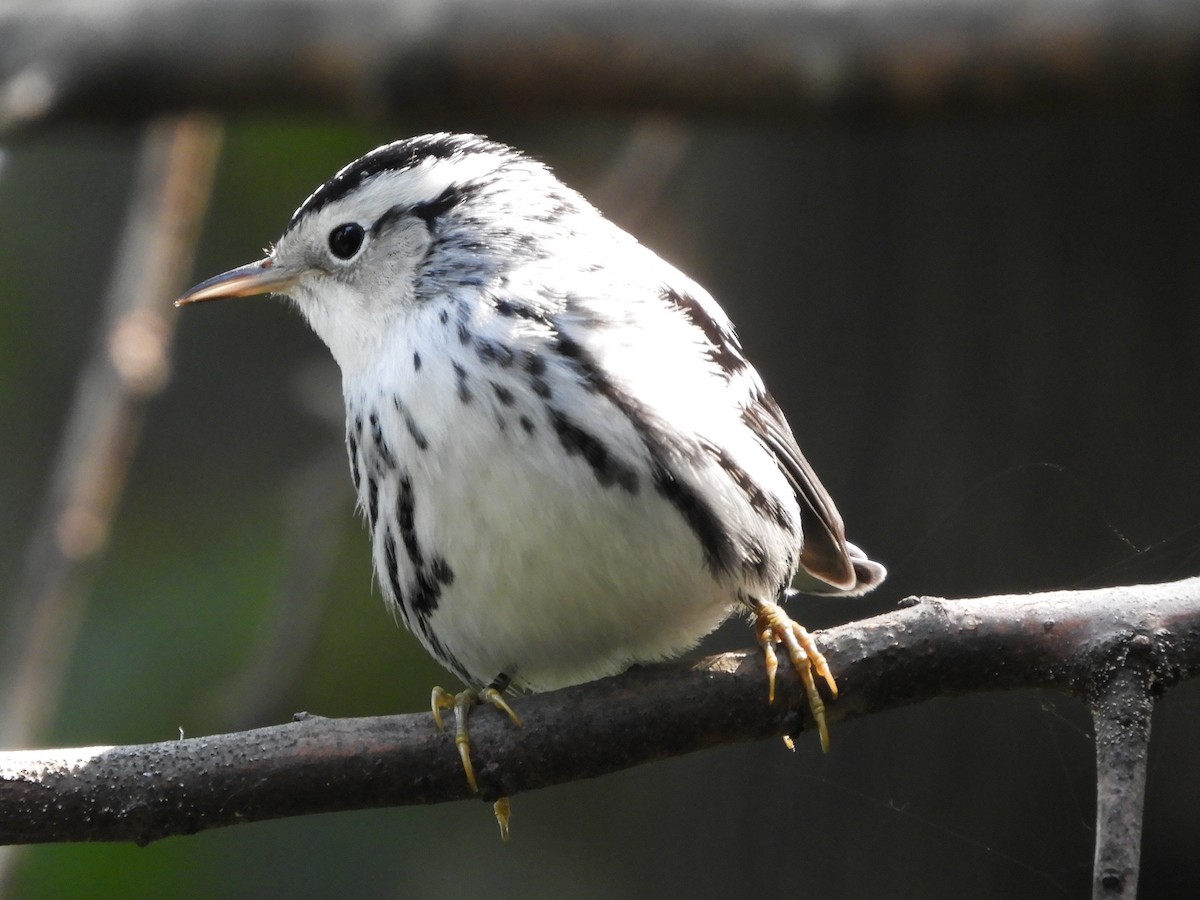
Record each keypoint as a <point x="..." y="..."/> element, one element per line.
<point x="345" y="240"/>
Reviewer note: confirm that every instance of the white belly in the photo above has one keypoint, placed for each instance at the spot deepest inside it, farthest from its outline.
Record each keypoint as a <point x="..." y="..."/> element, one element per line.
<point x="560" y="557"/>
<point x="557" y="578"/>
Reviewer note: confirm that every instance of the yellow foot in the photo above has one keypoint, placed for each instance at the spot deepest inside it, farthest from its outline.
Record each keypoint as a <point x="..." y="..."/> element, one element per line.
<point x="462" y="704"/>
<point x="773" y="626"/>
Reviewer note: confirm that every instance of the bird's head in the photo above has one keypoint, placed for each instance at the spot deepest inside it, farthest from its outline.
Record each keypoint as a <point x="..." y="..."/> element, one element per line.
<point x="407" y="222"/>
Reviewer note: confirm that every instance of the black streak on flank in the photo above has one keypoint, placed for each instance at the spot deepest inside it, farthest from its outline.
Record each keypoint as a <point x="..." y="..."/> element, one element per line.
<point x="355" y="471"/>
<point x="381" y="447"/>
<point x="570" y="350"/>
<point x="372" y="502"/>
<point x="607" y="468"/>
<point x="460" y="378"/>
<point x="527" y="424"/>
<point x="441" y="651"/>
<point x="405" y="517"/>
<point x="428" y="588"/>
<point x="766" y="506"/>
<point x="414" y="430"/>
<point x="754" y="561"/>
<point x="426" y="594"/>
<point x="441" y="570"/>
<point x="427" y="579"/>
<point x="723" y="347"/>
<point x="393" y="571"/>
<point x="720" y="552"/>
<point x="416" y="362"/>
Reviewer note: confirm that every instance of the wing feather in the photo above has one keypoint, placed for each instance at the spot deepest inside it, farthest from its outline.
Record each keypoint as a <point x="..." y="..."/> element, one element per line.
<point x="824" y="553"/>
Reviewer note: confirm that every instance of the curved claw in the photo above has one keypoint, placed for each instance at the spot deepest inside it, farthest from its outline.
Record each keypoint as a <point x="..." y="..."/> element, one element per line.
<point x="503" y="811"/>
<point x="774" y="626"/>
<point x="493" y="697"/>
<point x="440" y="699"/>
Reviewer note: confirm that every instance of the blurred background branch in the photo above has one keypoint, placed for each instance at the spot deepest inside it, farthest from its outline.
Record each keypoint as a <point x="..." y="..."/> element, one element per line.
<point x="130" y="363"/>
<point x="797" y="60"/>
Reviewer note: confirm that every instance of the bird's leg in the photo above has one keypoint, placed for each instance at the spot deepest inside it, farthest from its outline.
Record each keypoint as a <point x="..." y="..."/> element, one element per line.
<point x="462" y="703"/>
<point x="774" y="626"/>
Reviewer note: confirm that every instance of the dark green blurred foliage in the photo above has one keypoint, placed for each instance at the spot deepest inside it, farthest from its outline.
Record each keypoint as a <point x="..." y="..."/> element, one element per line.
<point x="985" y="336"/>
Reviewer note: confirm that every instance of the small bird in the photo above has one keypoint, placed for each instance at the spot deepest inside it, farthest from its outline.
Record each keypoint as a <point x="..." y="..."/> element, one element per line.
<point x="565" y="459"/>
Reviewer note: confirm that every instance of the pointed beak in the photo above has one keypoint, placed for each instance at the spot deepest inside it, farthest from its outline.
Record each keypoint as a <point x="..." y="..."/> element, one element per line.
<point x="261" y="277"/>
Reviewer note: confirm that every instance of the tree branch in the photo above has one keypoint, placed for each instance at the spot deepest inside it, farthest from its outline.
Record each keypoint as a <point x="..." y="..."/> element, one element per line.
<point x="1085" y="643"/>
<point x="803" y="59"/>
<point x="1121" y="712"/>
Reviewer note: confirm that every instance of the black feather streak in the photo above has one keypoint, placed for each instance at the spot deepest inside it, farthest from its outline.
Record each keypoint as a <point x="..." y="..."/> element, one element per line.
<point x="355" y="471"/>
<point x="460" y="378"/>
<point x="723" y="347"/>
<point x="578" y="442"/>
<point x="428" y="579"/>
<point x="513" y="309"/>
<point x="570" y="350"/>
<point x="503" y="394"/>
<point x="414" y="430"/>
<point x="432" y="210"/>
<point x="721" y="553"/>
<point x="493" y="352"/>
<point x="381" y="447"/>
<point x="535" y="368"/>
<point x="393" y="157"/>
<point x="393" y="571"/>
<point x="766" y="506"/>
<point x="405" y="518"/>
<point x="372" y="502"/>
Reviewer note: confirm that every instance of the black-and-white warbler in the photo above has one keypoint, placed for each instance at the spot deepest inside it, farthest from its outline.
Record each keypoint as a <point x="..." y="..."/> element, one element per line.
<point x="566" y="461"/>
